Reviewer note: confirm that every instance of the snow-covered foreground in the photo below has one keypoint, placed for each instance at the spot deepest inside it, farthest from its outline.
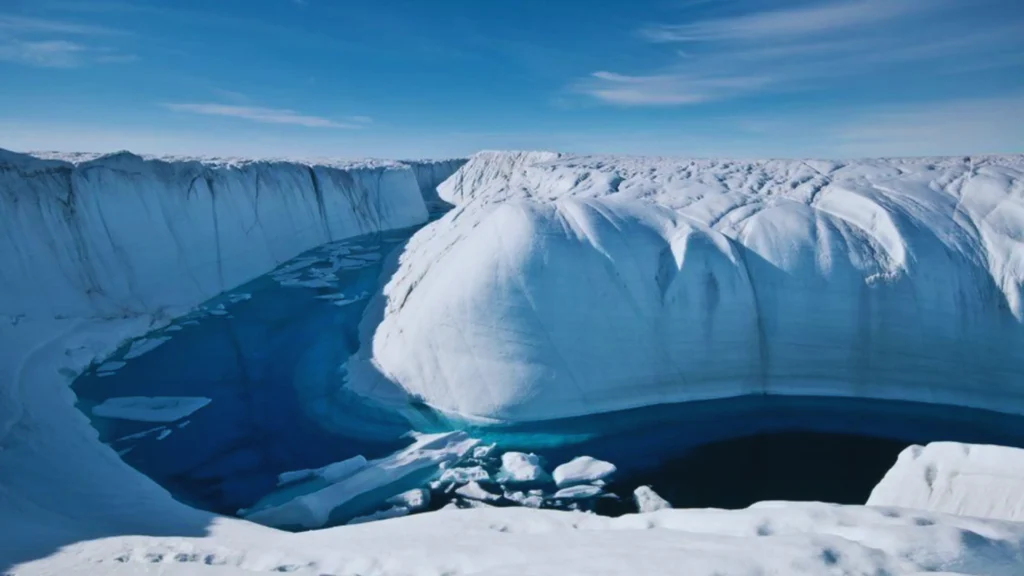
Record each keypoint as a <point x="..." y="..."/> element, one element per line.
<point x="562" y="285"/>
<point x="99" y="252"/>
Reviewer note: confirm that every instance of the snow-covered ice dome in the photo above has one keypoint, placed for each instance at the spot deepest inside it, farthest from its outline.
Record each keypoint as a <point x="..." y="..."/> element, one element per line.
<point x="560" y="286"/>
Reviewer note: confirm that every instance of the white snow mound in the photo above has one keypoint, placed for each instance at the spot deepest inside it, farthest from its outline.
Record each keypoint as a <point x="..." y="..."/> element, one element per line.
<point x="965" y="479"/>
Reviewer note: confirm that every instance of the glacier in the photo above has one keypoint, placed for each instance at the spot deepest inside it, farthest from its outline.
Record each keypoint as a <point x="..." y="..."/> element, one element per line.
<point x="560" y="286"/>
<point x="100" y="250"/>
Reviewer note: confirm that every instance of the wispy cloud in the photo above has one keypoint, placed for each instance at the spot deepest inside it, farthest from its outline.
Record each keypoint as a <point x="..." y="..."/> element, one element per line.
<point x="24" y="25"/>
<point x="49" y="43"/>
<point x="46" y="54"/>
<point x="798" y="49"/>
<point x="666" y="89"/>
<point x="264" y="115"/>
<point x="806" y="20"/>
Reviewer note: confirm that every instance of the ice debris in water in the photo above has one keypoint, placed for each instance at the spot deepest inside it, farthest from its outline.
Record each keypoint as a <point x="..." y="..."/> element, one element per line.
<point x="647" y="500"/>
<point x="415" y="499"/>
<point x="149" y="409"/>
<point x="143" y="346"/>
<point x="331" y="472"/>
<point x="521" y="468"/>
<point x="582" y="470"/>
<point x="578" y="492"/>
<point x="356" y="494"/>
<point x="531" y="499"/>
<point x="464" y="475"/>
<point x="474" y="491"/>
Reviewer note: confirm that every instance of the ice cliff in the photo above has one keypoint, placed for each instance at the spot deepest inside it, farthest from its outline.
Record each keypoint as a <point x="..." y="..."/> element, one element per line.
<point x="121" y="235"/>
<point x="564" y="285"/>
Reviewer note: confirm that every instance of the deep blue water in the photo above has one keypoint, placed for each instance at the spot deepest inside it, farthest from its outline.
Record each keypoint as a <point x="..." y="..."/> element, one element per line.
<point x="265" y="362"/>
<point x="268" y="356"/>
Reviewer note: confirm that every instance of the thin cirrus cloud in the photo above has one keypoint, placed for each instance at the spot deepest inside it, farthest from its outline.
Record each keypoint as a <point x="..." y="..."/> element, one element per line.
<point x="48" y="43"/>
<point x="667" y="89"/>
<point x="268" y="115"/>
<point x="794" y="49"/>
<point x="805" y="20"/>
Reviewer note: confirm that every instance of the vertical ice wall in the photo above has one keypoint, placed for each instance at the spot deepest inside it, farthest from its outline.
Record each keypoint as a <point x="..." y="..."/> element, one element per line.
<point x="431" y="173"/>
<point x="119" y="235"/>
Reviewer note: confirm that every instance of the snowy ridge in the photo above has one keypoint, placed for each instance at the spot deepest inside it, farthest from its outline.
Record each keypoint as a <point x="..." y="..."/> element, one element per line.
<point x="120" y="234"/>
<point x="572" y="285"/>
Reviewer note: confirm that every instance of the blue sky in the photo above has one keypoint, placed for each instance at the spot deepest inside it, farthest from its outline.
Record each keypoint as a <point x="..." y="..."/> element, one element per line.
<point x="414" y="78"/>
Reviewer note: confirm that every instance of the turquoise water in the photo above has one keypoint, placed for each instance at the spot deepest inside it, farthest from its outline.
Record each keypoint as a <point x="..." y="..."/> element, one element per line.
<point x="267" y="354"/>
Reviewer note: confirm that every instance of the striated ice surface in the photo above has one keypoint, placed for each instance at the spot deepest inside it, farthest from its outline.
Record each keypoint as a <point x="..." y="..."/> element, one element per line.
<point x="561" y="286"/>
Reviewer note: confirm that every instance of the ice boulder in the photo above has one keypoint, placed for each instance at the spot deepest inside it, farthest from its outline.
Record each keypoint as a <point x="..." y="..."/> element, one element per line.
<point x="521" y="468"/>
<point x="647" y="500"/>
<point x="965" y="479"/>
<point x="582" y="470"/>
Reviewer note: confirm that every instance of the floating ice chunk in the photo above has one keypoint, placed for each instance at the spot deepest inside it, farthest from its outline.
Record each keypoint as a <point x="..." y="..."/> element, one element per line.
<point x="474" y="491"/>
<point x="393" y="512"/>
<point x="351" y="263"/>
<point x="415" y="500"/>
<point x="582" y="470"/>
<point x="140" y="347"/>
<point x="314" y="283"/>
<point x="138" y="435"/>
<point x="379" y="480"/>
<point x="521" y="468"/>
<point x="483" y="451"/>
<point x="369" y="257"/>
<point x="296" y="265"/>
<point x="149" y="409"/>
<point x="577" y="492"/>
<point x="331" y="472"/>
<point x="183" y="424"/>
<point x="465" y="475"/>
<point x="218" y="312"/>
<point x="529" y="500"/>
<point x="105" y="374"/>
<point x="173" y="329"/>
<point x="111" y="366"/>
<point x="166" y="432"/>
<point x="236" y="298"/>
<point x="647" y="500"/>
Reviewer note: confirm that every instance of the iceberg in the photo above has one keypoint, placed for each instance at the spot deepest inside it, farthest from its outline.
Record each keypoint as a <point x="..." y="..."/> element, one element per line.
<point x="562" y="286"/>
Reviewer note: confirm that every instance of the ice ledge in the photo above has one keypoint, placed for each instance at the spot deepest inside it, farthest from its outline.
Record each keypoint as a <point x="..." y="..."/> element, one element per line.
<point x="952" y="478"/>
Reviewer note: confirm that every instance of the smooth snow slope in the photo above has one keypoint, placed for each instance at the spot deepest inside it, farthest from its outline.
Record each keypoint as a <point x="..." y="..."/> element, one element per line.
<point x="564" y="285"/>
<point x="95" y="250"/>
